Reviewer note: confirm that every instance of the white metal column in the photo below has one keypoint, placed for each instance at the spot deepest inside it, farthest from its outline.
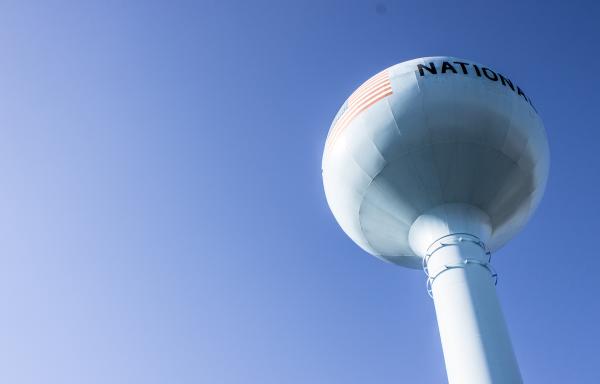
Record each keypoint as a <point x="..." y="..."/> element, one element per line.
<point x="475" y="340"/>
<point x="477" y="348"/>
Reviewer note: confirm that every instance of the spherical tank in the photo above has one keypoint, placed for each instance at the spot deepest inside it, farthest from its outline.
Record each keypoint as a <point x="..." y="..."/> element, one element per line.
<point x="427" y="133"/>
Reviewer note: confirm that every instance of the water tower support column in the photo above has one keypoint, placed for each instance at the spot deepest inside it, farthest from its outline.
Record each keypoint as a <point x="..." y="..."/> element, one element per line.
<point x="475" y="339"/>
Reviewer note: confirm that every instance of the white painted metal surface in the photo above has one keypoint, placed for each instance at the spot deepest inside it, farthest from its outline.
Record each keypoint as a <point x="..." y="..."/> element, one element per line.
<point x="433" y="162"/>
<point x="409" y="140"/>
<point x="475" y="340"/>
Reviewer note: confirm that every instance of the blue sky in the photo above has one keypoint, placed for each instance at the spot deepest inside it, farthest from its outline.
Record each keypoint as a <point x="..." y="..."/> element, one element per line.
<point x="162" y="216"/>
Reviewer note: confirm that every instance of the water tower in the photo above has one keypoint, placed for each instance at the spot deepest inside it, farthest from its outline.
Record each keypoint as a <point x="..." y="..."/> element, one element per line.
<point x="435" y="163"/>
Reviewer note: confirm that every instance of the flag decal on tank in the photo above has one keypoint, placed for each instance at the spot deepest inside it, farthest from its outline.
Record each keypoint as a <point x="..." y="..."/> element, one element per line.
<point x="372" y="91"/>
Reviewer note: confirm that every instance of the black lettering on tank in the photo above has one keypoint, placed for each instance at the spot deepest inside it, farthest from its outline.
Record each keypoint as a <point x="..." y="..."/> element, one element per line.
<point x="531" y="103"/>
<point x="463" y="66"/>
<point x="487" y="71"/>
<point x="520" y="92"/>
<point x="431" y="69"/>
<point x="506" y="81"/>
<point x="447" y="66"/>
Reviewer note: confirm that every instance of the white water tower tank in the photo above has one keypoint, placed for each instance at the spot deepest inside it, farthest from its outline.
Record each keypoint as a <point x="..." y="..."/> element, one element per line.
<point x="435" y="163"/>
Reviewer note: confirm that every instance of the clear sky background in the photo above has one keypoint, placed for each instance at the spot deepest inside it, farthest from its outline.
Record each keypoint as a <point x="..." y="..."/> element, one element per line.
<point x="162" y="216"/>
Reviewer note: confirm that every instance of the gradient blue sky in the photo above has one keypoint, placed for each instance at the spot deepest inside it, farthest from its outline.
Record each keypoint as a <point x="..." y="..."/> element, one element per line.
<point x="162" y="217"/>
